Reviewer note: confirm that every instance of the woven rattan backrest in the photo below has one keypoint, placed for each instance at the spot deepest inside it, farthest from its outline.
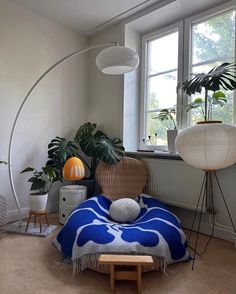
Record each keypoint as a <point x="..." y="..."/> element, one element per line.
<point x="124" y="179"/>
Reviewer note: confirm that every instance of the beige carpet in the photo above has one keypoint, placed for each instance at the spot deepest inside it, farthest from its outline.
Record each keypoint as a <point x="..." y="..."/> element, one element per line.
<point x="32" y="265"/>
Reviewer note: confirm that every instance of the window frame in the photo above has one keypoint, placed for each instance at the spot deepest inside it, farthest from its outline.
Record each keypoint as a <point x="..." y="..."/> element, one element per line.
<point x="178" y="26"/>
<point x="184" y="28"/>
<point x="188" y="24"/>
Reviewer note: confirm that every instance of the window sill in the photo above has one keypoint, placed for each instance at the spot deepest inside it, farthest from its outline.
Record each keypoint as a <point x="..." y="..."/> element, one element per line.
<point x="154" y="154"/>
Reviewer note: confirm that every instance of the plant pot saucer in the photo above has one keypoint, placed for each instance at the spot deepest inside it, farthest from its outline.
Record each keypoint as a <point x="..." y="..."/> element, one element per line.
<point x="209" y="122"/>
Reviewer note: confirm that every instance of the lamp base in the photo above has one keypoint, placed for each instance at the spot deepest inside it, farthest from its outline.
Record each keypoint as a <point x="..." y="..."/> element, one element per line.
<point x="206" y="196"/>
<point x="33" y="230"/>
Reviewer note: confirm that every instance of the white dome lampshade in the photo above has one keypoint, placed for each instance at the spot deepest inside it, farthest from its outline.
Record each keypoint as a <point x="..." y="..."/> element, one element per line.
<point x="117" y="60"/>
<point x="208" y="146"/>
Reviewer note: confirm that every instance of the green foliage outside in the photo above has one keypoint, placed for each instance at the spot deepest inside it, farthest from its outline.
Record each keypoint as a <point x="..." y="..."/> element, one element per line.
<point x="218" y="45"/>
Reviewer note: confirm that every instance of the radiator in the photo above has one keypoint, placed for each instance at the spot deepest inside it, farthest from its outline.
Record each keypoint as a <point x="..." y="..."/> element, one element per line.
<point x="174" y="182"/>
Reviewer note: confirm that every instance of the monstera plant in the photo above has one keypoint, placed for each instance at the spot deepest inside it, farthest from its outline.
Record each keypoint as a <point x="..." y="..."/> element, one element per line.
<point x="98" y="146"/>
<point x="220" y="77"/>
<point x="59" y="150"/>
<point x="94" y="143"/>
<point x="166" y="115"/>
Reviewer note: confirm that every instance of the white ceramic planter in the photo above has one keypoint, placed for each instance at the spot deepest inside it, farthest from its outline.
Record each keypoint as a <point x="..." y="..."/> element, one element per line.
<point x="171" y="136"/>
<point x="38" y="202"/>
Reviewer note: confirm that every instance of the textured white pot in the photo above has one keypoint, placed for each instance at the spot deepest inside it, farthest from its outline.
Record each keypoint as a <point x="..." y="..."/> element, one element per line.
<point x="38" y="202"/>
<point x="171" y="136"/>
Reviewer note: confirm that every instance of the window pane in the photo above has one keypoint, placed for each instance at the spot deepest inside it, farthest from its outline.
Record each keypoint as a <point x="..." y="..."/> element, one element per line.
<point x="214" y="39"/>
<point x="163" y="54"/>
<point x="155" y="130"/>
<point x="213" y="42"/>
<point x="161" y="91"/>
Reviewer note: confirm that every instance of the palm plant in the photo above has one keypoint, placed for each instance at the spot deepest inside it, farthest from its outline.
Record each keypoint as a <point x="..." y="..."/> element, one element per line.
<point x="223" y="76"/>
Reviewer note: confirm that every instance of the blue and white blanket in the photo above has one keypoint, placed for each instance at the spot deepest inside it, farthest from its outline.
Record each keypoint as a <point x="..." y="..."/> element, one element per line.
<point x="89" y="230"/>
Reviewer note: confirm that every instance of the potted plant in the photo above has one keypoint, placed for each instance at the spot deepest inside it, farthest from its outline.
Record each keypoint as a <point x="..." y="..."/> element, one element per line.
<point x="98" y="146"/>
<point x="95" y="145"/>
<point x="41" y="183"/>
<point x="167" y="117"/>
<point x="59" y="151"/>
<point x="219" y="77"/>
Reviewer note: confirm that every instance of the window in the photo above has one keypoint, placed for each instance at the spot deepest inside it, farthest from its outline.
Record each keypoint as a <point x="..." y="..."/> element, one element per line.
<point x="161" y="74"/>
<point x="213" y="42"/>
<point x="169" y="56"/>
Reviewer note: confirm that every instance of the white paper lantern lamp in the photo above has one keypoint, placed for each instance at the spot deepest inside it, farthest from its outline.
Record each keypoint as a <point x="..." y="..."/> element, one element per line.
<point x="209" y="146"/>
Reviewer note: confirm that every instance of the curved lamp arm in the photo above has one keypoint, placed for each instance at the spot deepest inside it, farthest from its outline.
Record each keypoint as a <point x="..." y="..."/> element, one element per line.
<point x="67" y="57"/>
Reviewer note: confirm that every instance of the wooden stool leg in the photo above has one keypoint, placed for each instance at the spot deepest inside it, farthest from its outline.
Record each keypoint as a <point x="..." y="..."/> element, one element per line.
<point x="40" y="223"/>
<point x="28" y="222"/>
<point x="139" y="279"/>
<point x="112" y="277"/>
<point x="46" y="217"/>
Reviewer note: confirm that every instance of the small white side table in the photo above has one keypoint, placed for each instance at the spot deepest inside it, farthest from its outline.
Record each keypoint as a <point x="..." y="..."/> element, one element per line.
<point x="70" y="197"/>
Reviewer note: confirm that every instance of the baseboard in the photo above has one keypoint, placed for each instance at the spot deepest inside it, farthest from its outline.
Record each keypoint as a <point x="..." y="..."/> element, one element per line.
<point x="206" y="228"/>
<point x="12" y="215"/>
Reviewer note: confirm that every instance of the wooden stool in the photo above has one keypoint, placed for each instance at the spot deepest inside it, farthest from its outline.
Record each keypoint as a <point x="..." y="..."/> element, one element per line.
<point x="39" y="214"/>
<point x="127" y="260"/>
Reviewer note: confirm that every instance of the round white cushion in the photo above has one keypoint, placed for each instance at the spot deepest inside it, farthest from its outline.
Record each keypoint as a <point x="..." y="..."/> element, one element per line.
<point x="124" y="210"/>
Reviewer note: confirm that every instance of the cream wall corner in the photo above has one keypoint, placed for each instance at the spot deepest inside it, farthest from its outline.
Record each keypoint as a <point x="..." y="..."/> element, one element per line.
<point x="105" y="91"/>
<point x="30" y="44"/>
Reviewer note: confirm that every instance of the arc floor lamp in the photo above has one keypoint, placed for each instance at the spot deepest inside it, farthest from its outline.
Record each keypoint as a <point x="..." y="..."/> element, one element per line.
<point x="113" y="60"/>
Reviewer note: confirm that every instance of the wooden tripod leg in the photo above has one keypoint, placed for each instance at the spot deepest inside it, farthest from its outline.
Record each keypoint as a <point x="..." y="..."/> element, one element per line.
<point x="40" y="223"/>
<point x="28" y="222"/>
<point x="46" y="217"/>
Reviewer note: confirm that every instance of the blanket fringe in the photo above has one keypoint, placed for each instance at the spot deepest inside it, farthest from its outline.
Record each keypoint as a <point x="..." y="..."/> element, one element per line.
<point x="91" y="262"/>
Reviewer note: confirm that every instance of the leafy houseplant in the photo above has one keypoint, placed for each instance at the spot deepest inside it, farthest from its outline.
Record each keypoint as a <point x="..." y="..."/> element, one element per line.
<point x="165" y="115"/>
<point x="59" y="151"/>
<point x="223" y="76"/>
<point x="172" y="132"/>
<point x="94" y="143"/>
<point x="41" y="182"/>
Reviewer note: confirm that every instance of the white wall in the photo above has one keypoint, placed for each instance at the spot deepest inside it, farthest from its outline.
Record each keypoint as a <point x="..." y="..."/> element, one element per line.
<point x="105" y="91"/>
<point x="29" y="44"/>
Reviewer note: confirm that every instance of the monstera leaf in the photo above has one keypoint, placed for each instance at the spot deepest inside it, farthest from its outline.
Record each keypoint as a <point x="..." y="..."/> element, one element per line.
<point x="85" y="138"/>
<point x="97" y="145"/>
<point x="222" y="76"/>
<point x="110" y="150"/>
<point x="59" y="150"/>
